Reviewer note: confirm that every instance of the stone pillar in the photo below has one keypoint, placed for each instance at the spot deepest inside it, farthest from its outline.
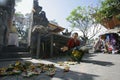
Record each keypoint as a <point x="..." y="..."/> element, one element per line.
<point x="3" y="27"/>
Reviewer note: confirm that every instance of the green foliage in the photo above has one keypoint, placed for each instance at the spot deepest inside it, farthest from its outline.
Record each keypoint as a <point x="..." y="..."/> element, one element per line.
<point x="108" y="9"/>
<point x="18" y="0"/>
<point x="82" y="19"/>
<point x="78" y="15"/>
<point x="118" y="16"/>
<point x="22" y="28"/>
<point x="19" y="14"/>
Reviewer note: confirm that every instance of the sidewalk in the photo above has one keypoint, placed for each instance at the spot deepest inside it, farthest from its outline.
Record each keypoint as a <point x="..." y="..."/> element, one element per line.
<point x="93" y="67"/>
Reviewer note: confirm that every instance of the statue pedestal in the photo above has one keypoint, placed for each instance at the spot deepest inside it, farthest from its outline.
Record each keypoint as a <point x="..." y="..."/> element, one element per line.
<point x="13" y="39"/>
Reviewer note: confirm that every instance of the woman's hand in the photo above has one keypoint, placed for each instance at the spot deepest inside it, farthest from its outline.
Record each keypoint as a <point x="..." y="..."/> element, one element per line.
<point x="65" y="48"/>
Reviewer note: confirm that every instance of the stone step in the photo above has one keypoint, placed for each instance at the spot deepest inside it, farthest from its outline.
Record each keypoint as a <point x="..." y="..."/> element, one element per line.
<point x="14" y="55"/>
<point x="15" y="49"/>
<point x="15" y="59"/>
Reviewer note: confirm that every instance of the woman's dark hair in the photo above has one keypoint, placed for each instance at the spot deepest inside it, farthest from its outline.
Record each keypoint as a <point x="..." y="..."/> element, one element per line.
<point x="76" y="33"/>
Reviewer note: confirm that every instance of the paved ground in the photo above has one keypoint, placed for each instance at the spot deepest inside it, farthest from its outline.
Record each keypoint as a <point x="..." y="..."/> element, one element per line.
<point x="93" y="67"/>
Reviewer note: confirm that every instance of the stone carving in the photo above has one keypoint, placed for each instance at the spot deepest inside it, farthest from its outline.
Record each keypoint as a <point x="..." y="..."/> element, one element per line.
<point x="2" y="28"/>
<point x="39" y="16"/>
<point x="9" y="7"/>
<point x="6" y="13"/>
<point x="38" y="32"/>
<point x="66" y="33"/>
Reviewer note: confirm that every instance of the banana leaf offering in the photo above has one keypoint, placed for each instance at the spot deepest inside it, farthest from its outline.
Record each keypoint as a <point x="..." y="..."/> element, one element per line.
<point x="27" y="69"/>
<point x="66" y="69"/>
<point x="51" y="72"/>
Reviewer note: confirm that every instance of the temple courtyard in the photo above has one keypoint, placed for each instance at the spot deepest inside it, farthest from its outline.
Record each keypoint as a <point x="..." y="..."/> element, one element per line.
<point x="94" y="66"/>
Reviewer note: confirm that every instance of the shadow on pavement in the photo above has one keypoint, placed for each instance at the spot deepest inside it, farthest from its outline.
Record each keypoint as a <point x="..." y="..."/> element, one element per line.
<point x="60" y="75"/>
<point x="72" y="75"/>
<point x="89" y="55"/>
<point x="101" y="63"/>
<point x="86" y="56"/>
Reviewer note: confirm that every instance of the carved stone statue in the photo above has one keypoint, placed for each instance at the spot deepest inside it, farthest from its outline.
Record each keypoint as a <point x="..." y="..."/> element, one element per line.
<point x="39" y="28"/>
<point x="66" y="33"/>
<point x="6" y="14"/>
<point x="2" y="28"/>
<point x="39" y="16"/>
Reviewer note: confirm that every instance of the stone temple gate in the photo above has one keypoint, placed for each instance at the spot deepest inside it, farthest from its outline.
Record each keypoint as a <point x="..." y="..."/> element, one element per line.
<point x="6" y="14"/>
<point x="44" y="37"/>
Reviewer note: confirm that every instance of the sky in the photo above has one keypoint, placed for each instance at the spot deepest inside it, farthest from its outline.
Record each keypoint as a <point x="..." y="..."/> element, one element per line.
<point x="57" y="10"/>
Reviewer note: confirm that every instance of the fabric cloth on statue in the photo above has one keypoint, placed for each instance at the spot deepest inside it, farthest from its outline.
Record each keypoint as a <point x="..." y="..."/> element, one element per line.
<point x="13" y="29"/>
<point x="13" y="39"/>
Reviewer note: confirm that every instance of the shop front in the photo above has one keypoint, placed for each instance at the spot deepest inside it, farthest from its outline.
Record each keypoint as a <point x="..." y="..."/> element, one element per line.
<point x="108" y="43"/>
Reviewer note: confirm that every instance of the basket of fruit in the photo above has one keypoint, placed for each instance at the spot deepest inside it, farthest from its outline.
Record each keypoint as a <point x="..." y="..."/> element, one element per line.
<point x="77" y="55"/>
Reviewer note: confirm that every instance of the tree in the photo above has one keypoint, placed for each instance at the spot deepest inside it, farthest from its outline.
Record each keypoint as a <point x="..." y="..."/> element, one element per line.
<point x="108" y="9"/>
<point x="22" y="25"/>
<point x="82" y="19"/>
<point x="19" y="24"/>
<point x="17" y="1"/>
